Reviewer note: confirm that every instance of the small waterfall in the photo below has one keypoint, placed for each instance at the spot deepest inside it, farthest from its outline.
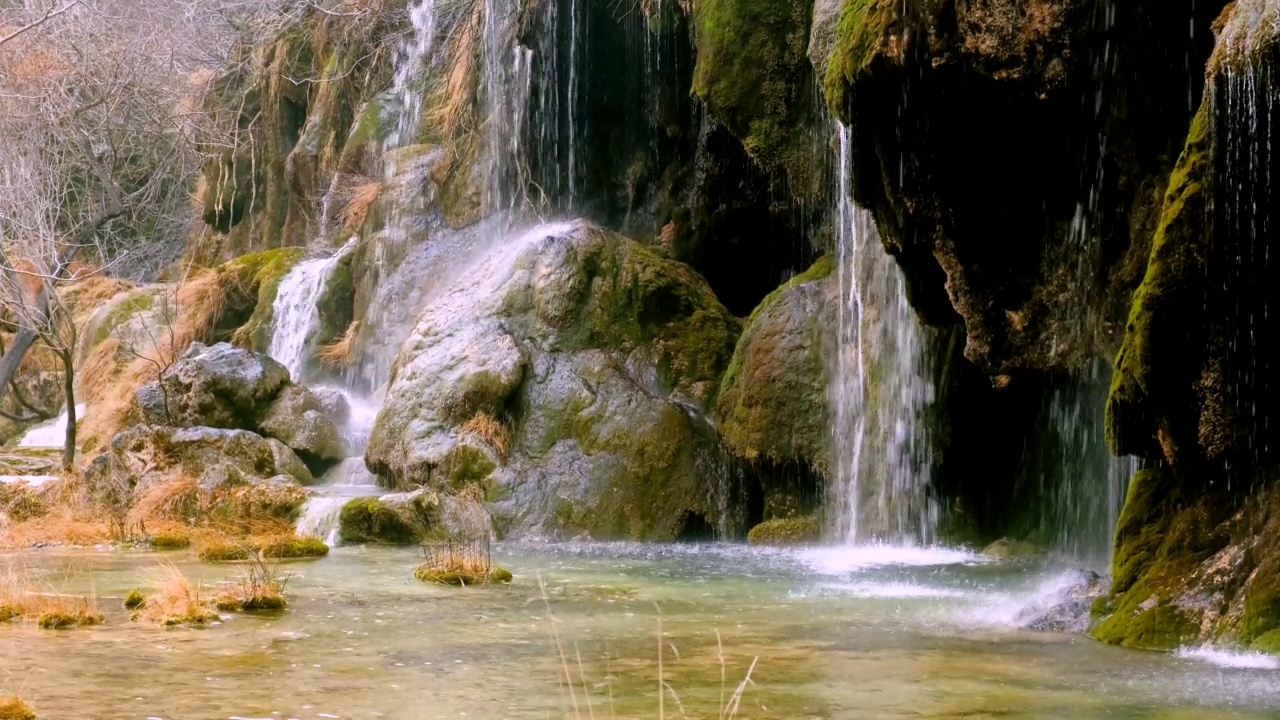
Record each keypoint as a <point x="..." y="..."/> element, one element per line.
<point x="294" y="311"/>
<point x="408" y="85"/>
<point x="348" y="479"/>
<point x="881" y="389"/>
<point x="50" y="434"/>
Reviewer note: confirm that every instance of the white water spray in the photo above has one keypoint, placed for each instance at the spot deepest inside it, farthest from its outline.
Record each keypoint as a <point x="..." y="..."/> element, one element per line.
<point x="295" y="313"/>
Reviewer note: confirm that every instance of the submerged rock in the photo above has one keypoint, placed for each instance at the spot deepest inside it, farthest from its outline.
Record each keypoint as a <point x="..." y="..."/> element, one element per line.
<point x="566" y="375"/>
<point x="1066" y="606"/>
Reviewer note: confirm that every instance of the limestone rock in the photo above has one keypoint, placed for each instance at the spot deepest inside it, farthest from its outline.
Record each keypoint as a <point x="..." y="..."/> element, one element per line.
<point x="214" y="386"/>
<point x="297" y="418"/>
<point x="567" y="375"/>
<point x="1065" y="607"/>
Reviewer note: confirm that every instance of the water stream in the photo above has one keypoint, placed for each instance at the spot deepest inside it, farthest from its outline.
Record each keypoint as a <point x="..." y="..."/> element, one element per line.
<point x="880" y="388"/>
<point x="295" y="313"/>
<point x="845" y="633"/>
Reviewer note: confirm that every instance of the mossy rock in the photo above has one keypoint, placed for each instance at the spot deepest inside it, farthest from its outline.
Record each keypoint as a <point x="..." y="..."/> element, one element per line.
<point x="753" y="73"/>
<point x="1010" y="549"/>
<point x="134" y="600"/>
<point x="291" y="548"/>
<point x="772" y="401"/>
<point x="1268" y="642"/>
<point x="261" y="604"/>
<point x="862" y="38"/>
<point x="176" y="540"/>
<point x="463" y="577"/>
<point x="787" y="531"/>
<point x="66" y="620"/>
<point x="252" y="281"/>
<point x="1153" y="373"/>
<point x="370" y="520"/>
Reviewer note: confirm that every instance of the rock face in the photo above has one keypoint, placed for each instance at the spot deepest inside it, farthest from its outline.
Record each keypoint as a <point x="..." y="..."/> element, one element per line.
<point x="1064" y="608"/>
<point x="222" y="386"/>
<point x="1199" y="538"/>
<point x="568" y="374"/>
<point x="772" y="405"/>
<point x="236" y="471"/>
<point x="991" y="224"/>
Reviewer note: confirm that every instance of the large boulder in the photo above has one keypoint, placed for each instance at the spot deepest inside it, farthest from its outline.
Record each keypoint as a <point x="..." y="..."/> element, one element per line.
<point x="238" y="473"/>
<point x="412" y="517"/>
<point x="567" y="374"/>
<point x="228" y="387"/>
<point x="772" y="404"/>
<point x="215" y="386"/>
<point x="1198" y="539"/>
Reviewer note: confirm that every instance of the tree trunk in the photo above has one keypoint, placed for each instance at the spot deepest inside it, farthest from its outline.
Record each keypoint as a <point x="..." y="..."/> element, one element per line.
<point x="69" y="388"/>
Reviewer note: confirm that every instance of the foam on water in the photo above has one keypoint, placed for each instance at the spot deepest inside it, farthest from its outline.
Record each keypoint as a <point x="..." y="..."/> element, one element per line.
<point x="50" y="434"/>
<point x="890" y="591"/>
<point x="319" y="517"/>
<point x="841" y="560"/>
<point x="1229" y="658"/>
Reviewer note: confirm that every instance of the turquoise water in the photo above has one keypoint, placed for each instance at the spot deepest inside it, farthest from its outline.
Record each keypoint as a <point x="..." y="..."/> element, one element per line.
<point x="834" y="633"/>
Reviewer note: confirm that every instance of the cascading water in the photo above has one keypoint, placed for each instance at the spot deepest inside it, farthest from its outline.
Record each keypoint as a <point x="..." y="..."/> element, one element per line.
<point x="295" y="313"/>
<point x="881" y="389"/>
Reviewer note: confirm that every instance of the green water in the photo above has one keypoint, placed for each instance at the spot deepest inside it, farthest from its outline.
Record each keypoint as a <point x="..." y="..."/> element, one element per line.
<point x="865" y="633"/>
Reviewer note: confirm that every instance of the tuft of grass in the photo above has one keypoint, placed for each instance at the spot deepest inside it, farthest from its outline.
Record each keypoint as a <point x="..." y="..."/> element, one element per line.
<point x="13" y="707"/>
<point x="360" y="199"/>
<point x="134" y="599"/>
<point x="489" y="430"/>
<point x="340" y="352"/>
<point x="174" y="600"/>
<point x="260" y="589"/>
<point x="166" y="502"/>
<point x="68" y="516"/>
<point x="19" y="599"/>
<point x="218" y="546"/>
<point x="460" y="563"/>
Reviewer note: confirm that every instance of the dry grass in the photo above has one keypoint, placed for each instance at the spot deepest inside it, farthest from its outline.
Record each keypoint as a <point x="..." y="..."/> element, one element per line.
<point x="488" y="429"/>
<point x="341" y="352"/>
<point x="69" y="517"/>
<point x="260" y="589"/>
<point x="274" y="539"/>
<point x="198" y="303"/>
<point x="360" y="198"/>
<point x="455" y="97"/>
<point x="175" y="600"/>
<point x="13" y="707"/>
<point x="109" y="400"/>
<point x="580" y="690"/>
<point x="460" y="562"/>
<point x="20" y="599"/>
<point x="164" y="504"/>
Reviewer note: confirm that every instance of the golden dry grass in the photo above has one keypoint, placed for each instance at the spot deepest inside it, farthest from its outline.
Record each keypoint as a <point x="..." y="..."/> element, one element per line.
<point x="70" y="518"/>
<point x="13" y="707"/>
<point x="109" y="398"/>
<point x="20" y="599"/>
<point x="259" y="589"/>
<point x="455" y="97"/>
<point x="174" y="600"/>
<point x="489" y="430"/>
<point x="341" y="352"/>
<point x="359" y="200"/>
<point x="198" y="303"/>
<point x="165" y="504"/>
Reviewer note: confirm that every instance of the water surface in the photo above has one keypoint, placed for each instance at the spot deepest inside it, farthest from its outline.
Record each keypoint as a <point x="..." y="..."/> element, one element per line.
<point x="834" y="633"/>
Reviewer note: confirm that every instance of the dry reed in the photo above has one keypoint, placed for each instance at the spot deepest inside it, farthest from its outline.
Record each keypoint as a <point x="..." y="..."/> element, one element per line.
<point x="341" y="352"/>
<point x="260" y="589"/>
<point x="13" y="707"/>
<point x="175" y="600"/>
<point x="489" y="430"/>
<point x="360" y="198"/>
<point x="18" y="599"/>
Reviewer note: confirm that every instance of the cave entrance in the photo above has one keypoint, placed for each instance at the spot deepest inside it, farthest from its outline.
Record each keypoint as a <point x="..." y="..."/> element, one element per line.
<point x="694" y="527"/>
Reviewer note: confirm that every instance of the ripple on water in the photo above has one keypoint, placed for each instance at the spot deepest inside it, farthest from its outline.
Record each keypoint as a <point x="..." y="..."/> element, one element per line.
<point x="1229" y="658"/>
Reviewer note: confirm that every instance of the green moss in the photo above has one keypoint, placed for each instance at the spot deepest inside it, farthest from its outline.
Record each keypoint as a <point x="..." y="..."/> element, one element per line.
<point x="134" y="600"/>
<point x="1162" y="538"/>
<point x="275" y="548"/>
<point x="1153" y="368"/>
<point x="1162" y="627"/>
<point x="787" y="531"/>
<point x="369" y="520"/>
<point x="260" y="603"/>
<point x="468" y="465"/>
<point x="753" y="74"/>
<point x="462" y="577"/>
<point x="7" y="613"/>
<point x="170" y="541"/>
<point x="772" y="399"/>
<point x="13" y="707"/>
<point x="257" y="276"/>
<point x="64" y="620"/>
<point x="1268" y="642"/>
<point x="336" y="305"/>
<point x="135" y="302"/>
<point x="860" y="39"/>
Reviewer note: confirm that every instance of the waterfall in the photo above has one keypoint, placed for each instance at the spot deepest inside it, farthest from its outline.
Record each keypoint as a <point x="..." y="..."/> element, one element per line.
<point x="880" y="389"/>
<point x="50" y="434"/>
<point x="294" y="312"/>
<point x="408" y="85"/>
